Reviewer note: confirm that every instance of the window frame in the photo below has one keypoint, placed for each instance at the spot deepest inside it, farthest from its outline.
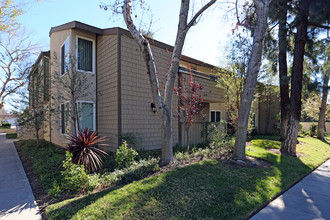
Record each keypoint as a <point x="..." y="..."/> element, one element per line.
<point x="94" y="113"/>
<point x="93" y="53"/>
<point x="215" y="110"/>
<point x="61" y="61"/>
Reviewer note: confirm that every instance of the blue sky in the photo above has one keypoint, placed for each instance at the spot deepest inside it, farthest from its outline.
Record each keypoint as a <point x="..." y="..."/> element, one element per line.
<point x="205" y="41"/>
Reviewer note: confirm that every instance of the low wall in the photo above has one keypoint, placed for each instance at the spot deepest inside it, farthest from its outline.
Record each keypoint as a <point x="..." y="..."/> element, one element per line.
<point x="306" y="125"/>
<point x="7" y="131"/>
<point x="25" y="133"/>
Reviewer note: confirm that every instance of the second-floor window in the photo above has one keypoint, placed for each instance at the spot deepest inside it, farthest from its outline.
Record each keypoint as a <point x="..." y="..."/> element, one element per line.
<point x="65" y="57"/>
<point x="85" y="55"/>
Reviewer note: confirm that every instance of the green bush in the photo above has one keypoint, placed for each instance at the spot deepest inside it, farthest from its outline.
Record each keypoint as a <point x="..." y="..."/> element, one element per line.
<point x="46" y="160"/>
<point x="312" y="130"/>
<point x="74" y="175"/>
<point x="125" y="156"/>
<point x="56" y="190"/>
<point x="6" y="125"/>
<point x="11" y="135"/>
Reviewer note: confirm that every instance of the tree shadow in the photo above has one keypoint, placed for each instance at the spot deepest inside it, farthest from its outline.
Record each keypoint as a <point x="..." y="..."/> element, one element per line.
<point x="209" y="189"/>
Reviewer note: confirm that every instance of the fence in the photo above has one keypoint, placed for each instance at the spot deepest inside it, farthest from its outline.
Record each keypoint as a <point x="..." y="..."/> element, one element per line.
<point x="306" y="125"/>
<point x="194" y="133"/>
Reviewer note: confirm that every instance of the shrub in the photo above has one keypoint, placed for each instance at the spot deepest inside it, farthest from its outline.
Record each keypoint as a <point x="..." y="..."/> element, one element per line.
<point x="182" y="155"/>
<point x="84" y="151"/>
<point x="6" y="125"/>
<point x="11" y="135"/>
<point x="312" y="130"/>
<point x="133" y="140"/>
<point x="55" y="191"/>
<point x="74" y="175"/>
<point x="125" y="156"/>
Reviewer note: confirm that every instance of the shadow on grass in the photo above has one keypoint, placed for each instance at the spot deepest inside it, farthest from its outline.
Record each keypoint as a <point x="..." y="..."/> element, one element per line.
<point x="208" y="189"/>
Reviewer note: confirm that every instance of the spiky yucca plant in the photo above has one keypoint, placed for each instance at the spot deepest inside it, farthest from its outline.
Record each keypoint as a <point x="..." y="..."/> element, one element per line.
<point x="84" y="151"/>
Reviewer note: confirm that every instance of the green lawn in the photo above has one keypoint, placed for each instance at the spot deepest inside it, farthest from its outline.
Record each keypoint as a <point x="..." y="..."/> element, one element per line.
<point x="209" y="189"/>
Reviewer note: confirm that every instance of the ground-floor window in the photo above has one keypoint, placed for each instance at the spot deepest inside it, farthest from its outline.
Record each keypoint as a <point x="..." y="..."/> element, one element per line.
<point x="215" y="116"/>
<point x="86" y="115"/>
<point x="65" y="114"/>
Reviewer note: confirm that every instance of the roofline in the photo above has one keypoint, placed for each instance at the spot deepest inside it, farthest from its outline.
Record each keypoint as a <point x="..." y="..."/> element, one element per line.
<point x="42" y="53"/>
<point x="121" y="31"/>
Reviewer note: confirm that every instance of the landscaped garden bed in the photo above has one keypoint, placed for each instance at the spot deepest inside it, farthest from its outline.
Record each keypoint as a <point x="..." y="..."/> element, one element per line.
<point x="203" y="183"/>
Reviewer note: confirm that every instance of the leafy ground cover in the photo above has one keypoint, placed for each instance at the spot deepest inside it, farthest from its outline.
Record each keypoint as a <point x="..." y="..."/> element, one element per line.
<point x="208" y="189"/>
<point x="11" y="135"/>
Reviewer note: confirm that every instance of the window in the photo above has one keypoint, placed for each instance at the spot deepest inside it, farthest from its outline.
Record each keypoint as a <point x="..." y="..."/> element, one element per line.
<point x="86" y="115"/>
<point x="85" y="55"/>
<point x="65" y="126"/>
<point x="65" y="56"/>
<point x="46" y="80"/>
<point x="215" y="116"/>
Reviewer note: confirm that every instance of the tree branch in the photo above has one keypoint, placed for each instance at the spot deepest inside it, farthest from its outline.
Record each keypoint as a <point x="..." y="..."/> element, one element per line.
<point x="193" y="20"/>
<point x="318" y="25"/>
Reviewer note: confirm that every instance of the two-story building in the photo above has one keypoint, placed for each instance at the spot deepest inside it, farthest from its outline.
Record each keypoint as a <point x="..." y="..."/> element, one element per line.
<point x="106" y="72"/>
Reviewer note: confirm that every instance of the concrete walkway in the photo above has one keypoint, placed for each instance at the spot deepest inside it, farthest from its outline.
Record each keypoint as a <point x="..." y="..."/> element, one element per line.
<point x="308" y="199"/>
<point x="16" y="197"/>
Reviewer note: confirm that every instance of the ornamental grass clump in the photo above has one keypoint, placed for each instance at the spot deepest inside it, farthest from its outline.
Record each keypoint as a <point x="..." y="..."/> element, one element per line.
<point x="83" y="148"/>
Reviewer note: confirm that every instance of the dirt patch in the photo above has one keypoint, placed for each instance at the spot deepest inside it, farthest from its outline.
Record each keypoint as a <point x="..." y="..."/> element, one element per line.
<point x="250" y="162"/>
<point x="277" y="151"/>
<point x="225" y="158"/>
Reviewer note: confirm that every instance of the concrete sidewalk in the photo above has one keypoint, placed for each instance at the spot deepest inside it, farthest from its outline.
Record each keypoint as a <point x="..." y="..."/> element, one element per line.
<point x="16" y="198"/>
<point x="308" y="199"/>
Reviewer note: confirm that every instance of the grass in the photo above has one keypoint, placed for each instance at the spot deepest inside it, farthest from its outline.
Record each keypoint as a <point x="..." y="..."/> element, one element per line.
<point x="208" y="189"/>
<point x="11" y="135"/>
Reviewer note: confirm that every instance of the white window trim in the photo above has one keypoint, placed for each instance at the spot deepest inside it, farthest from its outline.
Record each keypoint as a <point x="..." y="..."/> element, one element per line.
<point x="67" y="39"/>
<point x="63" y="103"/>
<point x="94" y="113"/>
<point x="94" y="54"/>
<point x="215" y="110"/>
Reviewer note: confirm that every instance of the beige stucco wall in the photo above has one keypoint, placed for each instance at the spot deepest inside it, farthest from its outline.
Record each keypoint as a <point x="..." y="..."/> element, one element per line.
<point x="137" y="117"/>
<point x="58" y="91"/>
<point x="107" y="89"/>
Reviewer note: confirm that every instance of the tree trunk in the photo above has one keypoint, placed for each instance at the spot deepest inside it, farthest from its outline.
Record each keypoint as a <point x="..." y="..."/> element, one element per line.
<point x="321" y="123"/>
<point x="187" y="136"/>
<point x="167" y="141"/>
<point x="164" y="105"/>
<point x="290" y="141"/>
<point x="283" y="69"/>
<point x="251" y="79"/>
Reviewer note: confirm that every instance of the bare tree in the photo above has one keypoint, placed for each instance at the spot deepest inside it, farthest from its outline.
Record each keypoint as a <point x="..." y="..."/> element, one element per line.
<point x="74" y="86"/>
<point x="253" y="68"/>
<point x="16" y="51"/>
<point x="164" y="102"/>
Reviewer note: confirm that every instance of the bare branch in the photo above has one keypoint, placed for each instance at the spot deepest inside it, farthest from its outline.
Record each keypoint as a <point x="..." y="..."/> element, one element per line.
<point x="193" y="20"/>
<point x="318" y="25"/>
